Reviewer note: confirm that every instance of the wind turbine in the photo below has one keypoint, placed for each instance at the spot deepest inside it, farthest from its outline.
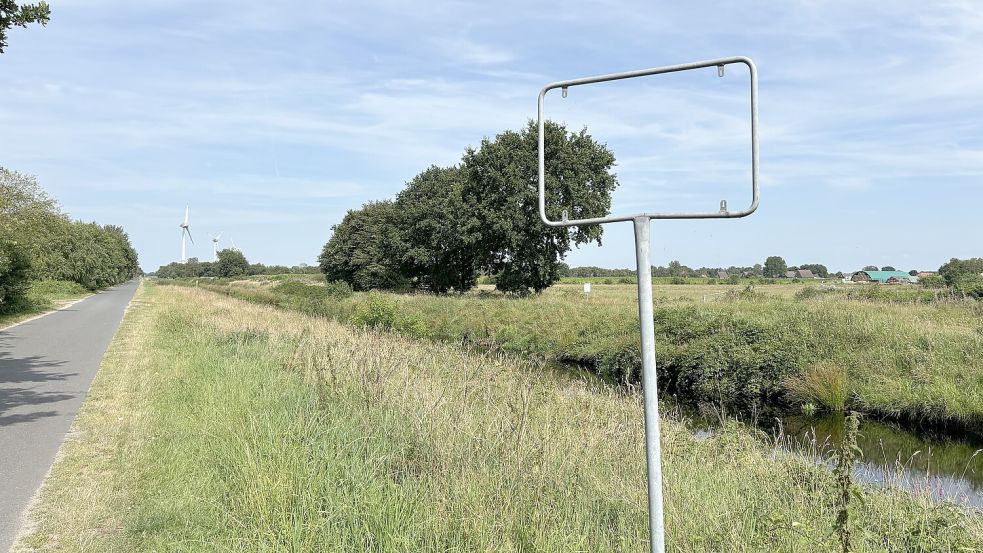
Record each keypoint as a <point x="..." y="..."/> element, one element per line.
<point x="215" y="240"/>
<point x="185" y="230"/>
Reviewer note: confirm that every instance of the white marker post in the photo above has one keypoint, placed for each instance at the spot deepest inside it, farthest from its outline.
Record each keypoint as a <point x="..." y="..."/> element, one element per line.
<point x="653" y="448"/>
<point x="587" y="290"/>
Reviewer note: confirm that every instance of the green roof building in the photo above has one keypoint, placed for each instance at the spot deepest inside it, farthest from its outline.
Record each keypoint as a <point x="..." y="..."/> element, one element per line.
<point x="884" y="277"/>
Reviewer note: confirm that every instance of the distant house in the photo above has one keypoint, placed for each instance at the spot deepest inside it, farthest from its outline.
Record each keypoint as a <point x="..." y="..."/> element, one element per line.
<point x="722" y="275"/>
<point x="923" y="274"/>
<point x="801" y="273"/>
<point x="789" y="274"/>
<point x="884" y="277"/>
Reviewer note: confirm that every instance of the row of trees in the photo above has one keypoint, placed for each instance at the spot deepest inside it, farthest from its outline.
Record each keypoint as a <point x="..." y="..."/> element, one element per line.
<point x="38" y="241"/>
<point x="451" y="224"/>
<point x="961" y="274"/>
<point x="230" y="263"/>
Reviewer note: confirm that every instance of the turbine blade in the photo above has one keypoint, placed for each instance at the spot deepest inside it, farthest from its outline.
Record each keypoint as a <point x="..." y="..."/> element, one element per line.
<point x="186" y="210"/>
<point x="189" y="235"/>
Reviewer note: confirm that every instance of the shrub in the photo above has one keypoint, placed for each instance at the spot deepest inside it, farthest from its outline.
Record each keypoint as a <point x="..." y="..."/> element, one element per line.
<point x="971" y="286"/>
<point x="932" y="281"/>
<point x="297" y="289"/>
<point x="811" y="292"/>
<point x="677" y="280"/>
<point x="376" y="311"/>
<point x="721" y="357"/>
<point x="338" y="289"/>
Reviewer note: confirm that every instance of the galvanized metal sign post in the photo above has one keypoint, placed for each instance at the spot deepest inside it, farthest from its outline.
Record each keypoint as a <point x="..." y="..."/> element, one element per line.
<point x="653" y="449"/>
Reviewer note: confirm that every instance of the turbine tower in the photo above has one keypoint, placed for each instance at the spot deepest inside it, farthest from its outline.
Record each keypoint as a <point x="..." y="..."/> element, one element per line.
<point x="215" y="240"/>
<point x="185" y="231"/>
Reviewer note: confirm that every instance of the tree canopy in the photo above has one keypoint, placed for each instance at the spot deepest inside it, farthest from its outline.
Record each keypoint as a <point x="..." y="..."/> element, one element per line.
<point x="775" y="267"/>
<point x="21" y="16"/>
<point x="40" y="242"/>
<point x="364" y="249"/>
<point x="231" y="263"/>
<point x="437" y="244"/>
<point x="450" y="224"/>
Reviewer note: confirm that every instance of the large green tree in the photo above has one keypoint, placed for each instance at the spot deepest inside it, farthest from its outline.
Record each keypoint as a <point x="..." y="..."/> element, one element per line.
<point x="230" y="263"/>
<point x="13" y="15"/>
<point x="365" y="249"/>
<point x="775" y="267"/>
<point x="438" y="245"/>
<point x="502" y="199"/>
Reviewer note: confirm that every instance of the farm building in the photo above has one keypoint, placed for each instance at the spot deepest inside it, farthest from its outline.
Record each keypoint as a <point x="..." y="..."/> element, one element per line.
<point x="884" y="277"/>
<point x="801" y="273"/>
<point x="722" y="275"/>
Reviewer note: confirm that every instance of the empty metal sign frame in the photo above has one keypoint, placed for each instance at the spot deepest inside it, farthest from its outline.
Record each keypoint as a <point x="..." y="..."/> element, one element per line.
<point x="653" y="449"/>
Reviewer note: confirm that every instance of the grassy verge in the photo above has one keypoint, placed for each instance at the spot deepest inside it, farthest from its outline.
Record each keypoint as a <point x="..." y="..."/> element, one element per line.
<point x="220" y="425"/>
<point x="745" y="350"/>
<point x="44" y="295"/>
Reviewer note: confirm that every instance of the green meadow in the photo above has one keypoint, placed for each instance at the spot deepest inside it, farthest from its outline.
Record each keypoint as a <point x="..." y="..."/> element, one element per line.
<point x="217" y="424"/>
<point x="899" y="353"/>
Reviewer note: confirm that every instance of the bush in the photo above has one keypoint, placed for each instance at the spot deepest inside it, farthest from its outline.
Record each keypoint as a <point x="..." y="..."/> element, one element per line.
<point x="338" y="289"/>
<point x="677" y="280"/>
<point x="381" y="312"/>
<point x="811" y="292"/>
<point x="298" y="289"/>
<point x="932" y="281"/>
<point x="971" y="286"/>
<point x="376" y="311"/>
<point x="720" y="357"/>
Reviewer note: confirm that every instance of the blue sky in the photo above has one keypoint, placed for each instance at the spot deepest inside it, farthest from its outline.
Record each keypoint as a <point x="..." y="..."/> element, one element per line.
<point x="271" y="119"/>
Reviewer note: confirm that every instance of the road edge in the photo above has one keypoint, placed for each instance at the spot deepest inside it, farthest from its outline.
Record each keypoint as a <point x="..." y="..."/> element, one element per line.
<point x="46" y="313"/>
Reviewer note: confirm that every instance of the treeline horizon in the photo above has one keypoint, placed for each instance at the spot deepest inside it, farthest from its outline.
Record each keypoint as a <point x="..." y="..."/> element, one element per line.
<point x="675" y="268"/>
<point x="231" y="262"/>
<point x="40" y="242"/>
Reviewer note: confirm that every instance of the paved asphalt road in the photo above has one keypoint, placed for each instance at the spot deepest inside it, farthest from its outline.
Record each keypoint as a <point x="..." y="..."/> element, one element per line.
<point x="46" y="367"/>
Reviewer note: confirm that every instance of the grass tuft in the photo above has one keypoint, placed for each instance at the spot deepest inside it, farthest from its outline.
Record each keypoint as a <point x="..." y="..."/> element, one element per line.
<point x="824" y="385"/>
